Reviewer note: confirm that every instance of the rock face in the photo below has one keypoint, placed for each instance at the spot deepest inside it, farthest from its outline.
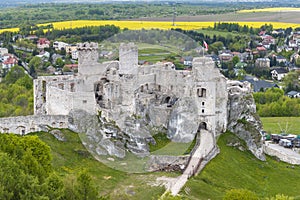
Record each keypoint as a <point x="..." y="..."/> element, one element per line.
<point x="182" y="123"/>
<point x="167" y="163"/>
<point x="242" y="117"/>
<point x="104" y="137"/>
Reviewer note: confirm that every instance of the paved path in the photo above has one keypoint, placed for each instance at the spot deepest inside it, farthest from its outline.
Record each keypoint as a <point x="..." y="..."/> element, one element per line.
<point x="284" y="154"/>
<point x="206" y="145"/>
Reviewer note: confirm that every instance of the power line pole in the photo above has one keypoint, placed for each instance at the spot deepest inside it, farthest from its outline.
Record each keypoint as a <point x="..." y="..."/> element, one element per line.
<point x="174" y="13"/>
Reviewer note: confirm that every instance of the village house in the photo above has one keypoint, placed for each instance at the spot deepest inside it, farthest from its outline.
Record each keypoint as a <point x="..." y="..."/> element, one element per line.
<point x="31" y="37"/>
<point x="187" y="61"/>
<point x="279" y="73"/>
<point x="293" y="94"/>
<point x="106" y="54"/>
<point x="72" y="67"/>
<point x="293" y="44"/>
<point x="72" y="50"/>
<point x="44" y="55"/>
<point x="280" y="59"/>
<point x="261" y="50"/>
<point x="267" y="41"/>
<point x="262" y="63"/>
<point x="59" y="45"/>
<point x="3" y="51"/>
<point x="43" y="43"/>
<point x="225" y="56"/>
<point x="258" y="84"/>
<point x="8" y="61"/>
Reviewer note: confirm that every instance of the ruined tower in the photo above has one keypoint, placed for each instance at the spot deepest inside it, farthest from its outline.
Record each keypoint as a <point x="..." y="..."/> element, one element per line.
<point x="128" y="57"/>
<point x="87" y="57"/>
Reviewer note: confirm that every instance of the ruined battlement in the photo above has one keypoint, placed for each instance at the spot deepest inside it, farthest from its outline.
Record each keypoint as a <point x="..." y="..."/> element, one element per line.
<point x="87" y="46"/>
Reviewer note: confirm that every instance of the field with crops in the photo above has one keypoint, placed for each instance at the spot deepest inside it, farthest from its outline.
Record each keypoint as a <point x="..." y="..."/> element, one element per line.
<point x="136" y="25"/>
<point x="276" y="9"/>
<point x="165" y="25"/>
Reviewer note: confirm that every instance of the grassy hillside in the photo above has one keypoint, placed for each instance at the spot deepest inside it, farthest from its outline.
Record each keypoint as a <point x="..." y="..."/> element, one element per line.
<point x="234" y="168"/>
<point x="279" y="124"/>
<point x="71" y="156"/>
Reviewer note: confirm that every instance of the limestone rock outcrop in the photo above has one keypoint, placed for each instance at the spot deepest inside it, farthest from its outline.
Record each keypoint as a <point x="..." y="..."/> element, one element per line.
<point x="242" y="117"/>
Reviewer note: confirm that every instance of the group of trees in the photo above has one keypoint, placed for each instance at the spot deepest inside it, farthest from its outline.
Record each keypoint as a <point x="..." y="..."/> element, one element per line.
<point x="234" y="27"/>
<point x="26" y="173"/>
<point x="273" y="103"/>
<point x="16" y="93"/>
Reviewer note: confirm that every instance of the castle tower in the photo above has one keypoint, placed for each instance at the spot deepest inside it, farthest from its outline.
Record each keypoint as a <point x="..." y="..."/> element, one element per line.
<point x="87" y="57"/>
<point x="128" y="57"/>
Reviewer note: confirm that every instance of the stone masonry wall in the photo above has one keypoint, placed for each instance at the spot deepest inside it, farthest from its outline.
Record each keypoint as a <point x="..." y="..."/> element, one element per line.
<point x="26" y="124"/>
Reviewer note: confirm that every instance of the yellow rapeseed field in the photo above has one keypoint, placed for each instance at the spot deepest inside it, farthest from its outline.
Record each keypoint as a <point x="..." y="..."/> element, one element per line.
<point x="276" y="9"/>
<point x="137" y="25"/>
<point x="9" y="29"/>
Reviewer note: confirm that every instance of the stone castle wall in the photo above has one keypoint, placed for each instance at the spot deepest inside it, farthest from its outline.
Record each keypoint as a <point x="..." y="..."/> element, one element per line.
<point x="26" y="124"/>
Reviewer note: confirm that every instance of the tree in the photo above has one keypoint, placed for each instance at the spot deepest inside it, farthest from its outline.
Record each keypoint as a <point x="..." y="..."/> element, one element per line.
<point x="34" y="64"/>
<point x="59" y="63"/>
<point x="235" y="60"/>
<point x="85" y="188"/>
<point x="15" y="73"/>
<point x="291" y="81"/>
<point x="54" y="187"/>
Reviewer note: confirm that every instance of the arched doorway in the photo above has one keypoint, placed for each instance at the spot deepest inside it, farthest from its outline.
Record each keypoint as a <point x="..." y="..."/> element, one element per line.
<point x="202" y="125"/>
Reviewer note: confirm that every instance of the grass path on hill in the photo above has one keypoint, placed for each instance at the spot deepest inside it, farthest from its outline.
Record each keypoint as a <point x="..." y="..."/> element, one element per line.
<point x="234" y="168"/>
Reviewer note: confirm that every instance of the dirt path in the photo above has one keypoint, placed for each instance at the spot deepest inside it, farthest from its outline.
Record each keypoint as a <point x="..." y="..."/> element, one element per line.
<point x="206" y="146"/>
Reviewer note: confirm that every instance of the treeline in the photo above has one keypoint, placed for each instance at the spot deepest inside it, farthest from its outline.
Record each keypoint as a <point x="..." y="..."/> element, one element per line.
<point x="218" y="42"/>
<point x="89" y="33"/>
<point x="273" y="103"/>
<point x="16" y="93"/>
<point x="26" y="173"/>
<point x="233" y="27"/>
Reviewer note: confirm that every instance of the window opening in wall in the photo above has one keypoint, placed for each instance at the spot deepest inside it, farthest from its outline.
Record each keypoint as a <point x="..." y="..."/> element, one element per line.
<point x="84" y="101"/>
<point x="72" y="87"/>
<point x="167" y="99"/>
<point x="202" y="110"/>
<point x="203" y="103"/>
<point x="43" y="86"/>
<point x="142" y="88"/>
<point x="201" y="92"/>
<point x="61" y="86"/>
<point x="159" y="88"/>
<point x="171" y="87"/>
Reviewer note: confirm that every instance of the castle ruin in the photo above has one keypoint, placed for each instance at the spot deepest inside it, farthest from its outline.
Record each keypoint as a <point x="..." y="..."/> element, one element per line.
<point x="130" y="100"/>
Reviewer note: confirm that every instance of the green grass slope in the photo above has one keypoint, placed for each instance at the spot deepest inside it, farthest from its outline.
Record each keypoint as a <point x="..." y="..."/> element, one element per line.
<point x="235" y="168"/>
<point x="71" y="156"/>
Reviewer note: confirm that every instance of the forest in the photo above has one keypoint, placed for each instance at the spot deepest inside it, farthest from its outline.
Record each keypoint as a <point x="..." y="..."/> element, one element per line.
<point x="27" y="173"/>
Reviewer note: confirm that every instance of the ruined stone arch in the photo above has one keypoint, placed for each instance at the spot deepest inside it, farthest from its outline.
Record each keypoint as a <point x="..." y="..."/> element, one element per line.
<point x="99" y="91"/>
<point x="202" y="125"/>
<point x="167" y="100"/>
<point x="22" y="130"/>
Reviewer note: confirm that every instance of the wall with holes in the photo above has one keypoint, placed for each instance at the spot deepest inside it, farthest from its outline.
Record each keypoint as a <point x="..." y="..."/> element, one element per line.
<point x="23" y="125"/>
